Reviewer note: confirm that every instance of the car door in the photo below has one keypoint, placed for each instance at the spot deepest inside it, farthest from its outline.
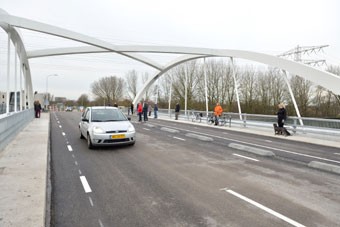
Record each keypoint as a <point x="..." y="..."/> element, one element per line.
<point x="85" y="122"/>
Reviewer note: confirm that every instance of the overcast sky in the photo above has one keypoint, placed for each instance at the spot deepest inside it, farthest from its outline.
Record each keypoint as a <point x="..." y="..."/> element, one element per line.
<point x="266" y="26"/>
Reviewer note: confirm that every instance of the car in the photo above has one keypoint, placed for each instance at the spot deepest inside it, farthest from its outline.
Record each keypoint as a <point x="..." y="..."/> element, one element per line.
<point x="68" y="109"/>
<point x="106" y="126"/>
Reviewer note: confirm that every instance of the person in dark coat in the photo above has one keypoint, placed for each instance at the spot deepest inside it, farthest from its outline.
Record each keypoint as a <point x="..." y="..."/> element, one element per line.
<point x="37" y="108"/>
<point x="177" y="109"/>
<point x="145" y="111"/>
<point x="131" y="108"/>
<point x="281" y="115"/>
<point x="155" y="111"/>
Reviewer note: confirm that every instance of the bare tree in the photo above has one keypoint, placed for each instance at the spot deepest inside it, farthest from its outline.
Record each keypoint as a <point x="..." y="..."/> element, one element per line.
<point x="248" y="89"/>
<point x="148" y="91"/>
<point x="132" y="81"/>
<point x="182" y="74"/>
<point x="108" y="88"/>
<point x="335" y="70"/>
<point x="302" y="90"/>
<point x="83" y="100"/>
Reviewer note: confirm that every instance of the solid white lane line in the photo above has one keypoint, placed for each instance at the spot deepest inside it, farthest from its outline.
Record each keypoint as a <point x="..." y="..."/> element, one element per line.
<point x="268" y="210"/>
<point x="146" y="129"/>
<point x="91" y="202"/>
<point x="253" y="159"/>
<point x="63" y="133"/>
<point x="178" y="138"/>
<point x="69" y="148"/>
<point x="85" y="184"/>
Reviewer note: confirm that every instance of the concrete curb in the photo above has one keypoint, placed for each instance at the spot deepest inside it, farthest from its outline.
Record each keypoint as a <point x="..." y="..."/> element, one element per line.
<point x="324" y="166"/>
<point x="169" y="130"/>
<point x="200" y="137"/>
<point x="253" y="150"/>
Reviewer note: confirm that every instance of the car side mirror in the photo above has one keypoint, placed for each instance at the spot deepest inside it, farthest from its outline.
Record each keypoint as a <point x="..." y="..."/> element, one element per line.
<point x="84" y="119"/>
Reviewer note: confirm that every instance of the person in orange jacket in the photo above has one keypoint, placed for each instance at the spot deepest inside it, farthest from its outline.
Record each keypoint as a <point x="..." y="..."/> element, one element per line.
<point x="217" y="112"/>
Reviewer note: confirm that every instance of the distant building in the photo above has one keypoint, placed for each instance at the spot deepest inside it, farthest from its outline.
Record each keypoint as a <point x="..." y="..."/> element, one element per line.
<point x="60" y="99"/>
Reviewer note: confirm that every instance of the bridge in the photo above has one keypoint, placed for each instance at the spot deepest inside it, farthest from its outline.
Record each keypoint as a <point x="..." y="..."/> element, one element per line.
<point x="19" y="113"/>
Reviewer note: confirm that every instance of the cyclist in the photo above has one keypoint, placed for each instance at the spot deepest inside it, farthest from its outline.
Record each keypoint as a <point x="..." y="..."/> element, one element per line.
<point x="217" y="112"/>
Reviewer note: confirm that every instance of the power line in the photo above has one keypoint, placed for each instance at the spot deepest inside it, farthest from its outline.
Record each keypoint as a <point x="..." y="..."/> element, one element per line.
<point x="297" y="53"/>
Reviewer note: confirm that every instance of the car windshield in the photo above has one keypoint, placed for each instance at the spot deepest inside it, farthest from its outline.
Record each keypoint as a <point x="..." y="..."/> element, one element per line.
<point x="105" y="115"/>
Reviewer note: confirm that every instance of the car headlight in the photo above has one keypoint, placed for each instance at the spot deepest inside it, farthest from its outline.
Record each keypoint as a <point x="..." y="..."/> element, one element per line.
<point x="131" y="128"/>
<point x="97" y="129"/>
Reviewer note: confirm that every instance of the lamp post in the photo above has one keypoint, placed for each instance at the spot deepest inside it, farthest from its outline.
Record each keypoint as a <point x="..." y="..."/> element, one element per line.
<point x="46" y="95"/>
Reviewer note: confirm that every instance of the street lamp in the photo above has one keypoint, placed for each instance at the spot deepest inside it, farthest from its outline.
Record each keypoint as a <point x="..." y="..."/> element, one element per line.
<point x="46" y="95"/>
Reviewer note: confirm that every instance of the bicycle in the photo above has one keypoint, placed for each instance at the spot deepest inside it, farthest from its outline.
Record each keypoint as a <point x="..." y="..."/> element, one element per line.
<point x="196" y="116"/>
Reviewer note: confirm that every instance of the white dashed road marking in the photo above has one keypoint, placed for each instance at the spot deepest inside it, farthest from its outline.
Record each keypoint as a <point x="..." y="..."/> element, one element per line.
<point x="86" y="185"/>
<point x="178" y="138"/>
<point x="69" y="148"/>
<point x="91" y="202"/>
<point x="253" y="159"/>
<point x="63" y="133"/>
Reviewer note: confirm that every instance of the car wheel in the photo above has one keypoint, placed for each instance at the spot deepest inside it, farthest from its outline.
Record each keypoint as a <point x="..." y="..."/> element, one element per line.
<point x="81" y="136"/>
<point x="89" y="143"/>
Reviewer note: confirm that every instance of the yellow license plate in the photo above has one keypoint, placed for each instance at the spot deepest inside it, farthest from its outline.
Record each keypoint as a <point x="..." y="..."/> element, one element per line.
<point x="120" y="136"/>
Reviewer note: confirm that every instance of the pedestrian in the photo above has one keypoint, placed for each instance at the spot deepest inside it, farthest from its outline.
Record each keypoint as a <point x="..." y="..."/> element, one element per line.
<point x="155" y="111"/>
<point x="37" y="108"/>
<point x="217" y="112"/>
<point x="149" y="109"/>
<point x="281" y="115"/>
<point x="140" y="110"/>
<point x="145" y="111"/>
<point x="177" y="109"/>
<point x="131" y="108"/>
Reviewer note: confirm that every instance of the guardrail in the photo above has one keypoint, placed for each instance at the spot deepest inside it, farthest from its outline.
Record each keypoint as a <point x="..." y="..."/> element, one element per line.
<point x="310" y="125"/>
<point x="11" y="124"/>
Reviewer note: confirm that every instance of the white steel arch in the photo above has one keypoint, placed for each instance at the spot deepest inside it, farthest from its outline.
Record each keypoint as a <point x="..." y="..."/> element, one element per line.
<point x="323" y="78"/>
<point x="20" y="50"/>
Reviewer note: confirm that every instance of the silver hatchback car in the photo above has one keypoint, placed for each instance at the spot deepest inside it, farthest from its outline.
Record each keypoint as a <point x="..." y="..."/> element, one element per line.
<point x="106" y="126"/>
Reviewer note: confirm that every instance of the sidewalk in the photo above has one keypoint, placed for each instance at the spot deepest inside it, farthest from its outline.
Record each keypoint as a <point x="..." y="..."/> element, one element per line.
<point x="326" y="140"/>
<point x="23" y="174"/>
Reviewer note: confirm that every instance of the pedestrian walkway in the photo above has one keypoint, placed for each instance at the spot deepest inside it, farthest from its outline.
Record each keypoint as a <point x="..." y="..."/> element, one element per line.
<point x="24" y="169"/>
<point x="314" y="138"/>
<point x="23" y="175"/>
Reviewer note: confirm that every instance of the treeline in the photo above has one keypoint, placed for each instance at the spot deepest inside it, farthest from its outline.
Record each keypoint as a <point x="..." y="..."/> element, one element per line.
<point x="260" y="90"/>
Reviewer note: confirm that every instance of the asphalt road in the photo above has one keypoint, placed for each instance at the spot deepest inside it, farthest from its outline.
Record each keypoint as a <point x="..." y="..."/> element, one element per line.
<point x="170" y="178"/>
